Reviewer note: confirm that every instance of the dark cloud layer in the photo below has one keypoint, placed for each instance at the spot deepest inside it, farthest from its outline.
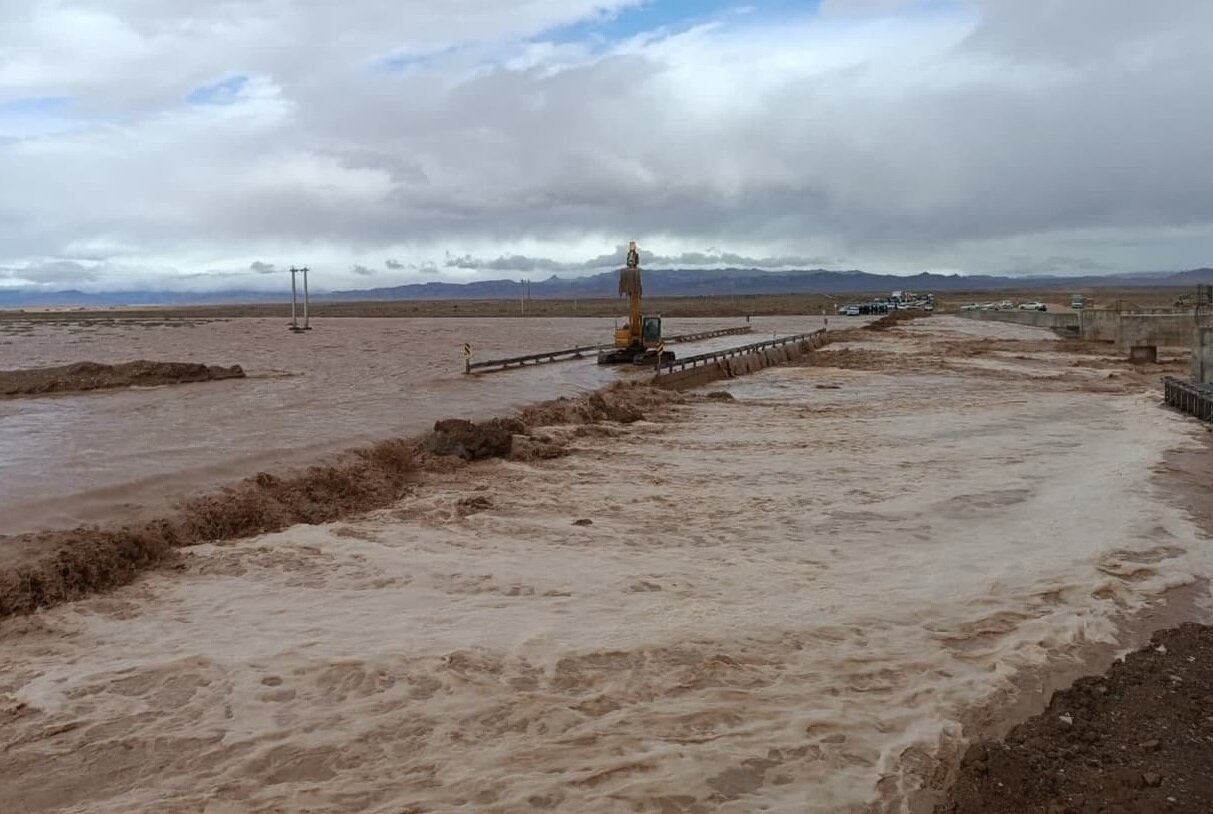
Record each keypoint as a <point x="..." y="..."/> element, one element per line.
<point x="991" y="135"/>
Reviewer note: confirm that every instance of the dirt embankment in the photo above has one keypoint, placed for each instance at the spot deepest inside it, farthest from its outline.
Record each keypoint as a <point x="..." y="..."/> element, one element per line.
<point x="1138" y="739"/>
<point x="893" y="319"/>
<point x="84" y="376"/>
<point x="59" y="566"/>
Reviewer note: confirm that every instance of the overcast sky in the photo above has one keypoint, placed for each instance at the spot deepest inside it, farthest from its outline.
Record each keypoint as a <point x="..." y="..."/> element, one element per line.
<point x="211" y="143"/>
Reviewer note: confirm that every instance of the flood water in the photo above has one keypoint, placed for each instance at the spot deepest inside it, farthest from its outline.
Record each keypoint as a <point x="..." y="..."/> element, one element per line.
<point x="786" y="603"/>
<point x="118" y="455"/>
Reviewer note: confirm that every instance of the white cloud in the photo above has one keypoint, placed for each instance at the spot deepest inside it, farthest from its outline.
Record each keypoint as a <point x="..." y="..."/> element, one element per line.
<point x="989" y="135"/>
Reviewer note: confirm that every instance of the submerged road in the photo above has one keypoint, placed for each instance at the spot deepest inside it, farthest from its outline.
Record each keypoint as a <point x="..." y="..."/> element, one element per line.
<point x="115" y="456"/>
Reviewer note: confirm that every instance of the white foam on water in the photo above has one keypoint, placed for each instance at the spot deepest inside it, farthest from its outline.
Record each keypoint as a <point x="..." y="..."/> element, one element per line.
<point x="782" y="604"/>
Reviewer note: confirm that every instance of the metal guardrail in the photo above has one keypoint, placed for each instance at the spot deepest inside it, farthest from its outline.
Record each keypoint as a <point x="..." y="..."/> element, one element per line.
<point x="531" y="359"/>
<point x="701" y="335"/>
<point x="740" y="350"/>
<point x="547" y="357"/>
<point x="1188" y="397"/>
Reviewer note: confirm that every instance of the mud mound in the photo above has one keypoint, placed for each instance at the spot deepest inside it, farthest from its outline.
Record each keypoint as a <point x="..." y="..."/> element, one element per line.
<point x="82" y="561"/>
<point x="1139" y="738"/>
<point x="369" y="479"/>
<point x="891" y="320"/>
<point x="474" y="441"/>
<point x="64" y="565"/>
<point x="85" y="560"/>
<point x="84" y="376"/>
<point x="621" y="403"/>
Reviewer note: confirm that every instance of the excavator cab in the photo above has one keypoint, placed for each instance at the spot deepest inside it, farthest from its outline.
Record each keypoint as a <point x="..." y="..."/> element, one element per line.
<point x="648" y="338"/>
<point x="650" y="331"/>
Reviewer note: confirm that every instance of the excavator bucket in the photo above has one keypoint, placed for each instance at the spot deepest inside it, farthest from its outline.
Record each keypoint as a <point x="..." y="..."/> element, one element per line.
<point x="629" y="282"/>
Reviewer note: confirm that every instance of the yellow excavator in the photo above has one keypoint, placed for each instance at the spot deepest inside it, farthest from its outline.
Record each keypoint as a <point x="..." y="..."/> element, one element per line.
<point x="640" y="341"/>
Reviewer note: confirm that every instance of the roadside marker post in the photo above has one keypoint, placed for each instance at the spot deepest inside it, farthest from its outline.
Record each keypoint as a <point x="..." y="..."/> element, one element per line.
<point x="467" y="357"/>
<point x="660" y="354"/>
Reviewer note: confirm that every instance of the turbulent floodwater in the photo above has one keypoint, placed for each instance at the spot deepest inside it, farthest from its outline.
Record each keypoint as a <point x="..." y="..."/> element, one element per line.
<point x="109" y="455"/>
<point x="782" y="604"/>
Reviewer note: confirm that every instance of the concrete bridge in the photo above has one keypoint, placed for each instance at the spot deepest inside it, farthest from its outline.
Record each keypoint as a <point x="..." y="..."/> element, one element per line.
<point x="1128" y="329"/>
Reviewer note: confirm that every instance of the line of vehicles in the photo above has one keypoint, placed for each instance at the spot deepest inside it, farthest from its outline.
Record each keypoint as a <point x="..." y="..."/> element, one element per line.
<point x="897" y="301"/>
<point x="1005" y="305"/>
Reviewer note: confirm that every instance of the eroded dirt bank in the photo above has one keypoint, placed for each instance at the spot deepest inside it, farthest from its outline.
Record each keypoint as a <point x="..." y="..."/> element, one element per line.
<point x="787" y="601"/>
<point x="1136" y="739"/>
<point x="43" y="569"/>
<point x="85" y="376"/>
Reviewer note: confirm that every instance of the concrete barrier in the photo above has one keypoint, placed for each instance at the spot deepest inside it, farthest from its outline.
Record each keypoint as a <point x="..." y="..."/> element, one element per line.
<point x="1202" y="356"/>
<point x="1098" y="326"/>
<point x="1036" y="319"/>
<point x="735" y="366"/>
<point x="1125" y="328"/>
<point x="1143" y="354"/>
<point x="1163" y="330"/>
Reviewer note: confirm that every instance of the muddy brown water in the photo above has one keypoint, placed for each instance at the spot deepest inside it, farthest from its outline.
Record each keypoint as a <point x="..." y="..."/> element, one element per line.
<point x="789" y="602"/>
<point x="115" y="456"/>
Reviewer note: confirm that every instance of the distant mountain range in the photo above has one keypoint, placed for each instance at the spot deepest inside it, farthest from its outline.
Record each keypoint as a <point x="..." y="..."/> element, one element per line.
<point x="657" y="283"/>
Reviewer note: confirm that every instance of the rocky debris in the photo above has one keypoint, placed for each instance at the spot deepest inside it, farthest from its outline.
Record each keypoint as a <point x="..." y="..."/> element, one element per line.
<point x="85" y="376"/>
<point x="530" y="448"/>
<point x="584" y="521"/>
<point x="1138" y="739"/>
<point x="471" y="505"/>
<point x="615" y="410"/>
<point x="721" y="395"/>
<point x="473" y="441"/>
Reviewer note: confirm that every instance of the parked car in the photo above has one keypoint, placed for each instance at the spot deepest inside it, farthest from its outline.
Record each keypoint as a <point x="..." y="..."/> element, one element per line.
<point x="1033" y="306"/>
<point x="851" y="310"/>
<point x="969" y="306"/>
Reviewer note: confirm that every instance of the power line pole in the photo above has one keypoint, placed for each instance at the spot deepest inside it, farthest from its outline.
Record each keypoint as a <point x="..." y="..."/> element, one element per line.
<point x="294" y="300"/>
<point x="306" y="325"/>
<point x="295" y="326"/>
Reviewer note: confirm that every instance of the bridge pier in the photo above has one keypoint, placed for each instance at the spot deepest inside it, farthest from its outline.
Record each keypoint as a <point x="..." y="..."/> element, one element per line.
<point x="1202" y="356"/>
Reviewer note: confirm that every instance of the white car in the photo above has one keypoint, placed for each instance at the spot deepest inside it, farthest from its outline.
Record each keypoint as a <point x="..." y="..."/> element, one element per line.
<point x="1033" y="306"/>
<point x="969" y="306"/>
<point x="851" y="310"/>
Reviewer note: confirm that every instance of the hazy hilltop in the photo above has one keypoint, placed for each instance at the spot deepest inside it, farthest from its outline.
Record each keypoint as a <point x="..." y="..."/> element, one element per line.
<point x="657" y="283"/>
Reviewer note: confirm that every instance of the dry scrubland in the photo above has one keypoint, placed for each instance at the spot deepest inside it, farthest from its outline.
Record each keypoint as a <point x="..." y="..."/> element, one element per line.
<point x="702" y="306"/>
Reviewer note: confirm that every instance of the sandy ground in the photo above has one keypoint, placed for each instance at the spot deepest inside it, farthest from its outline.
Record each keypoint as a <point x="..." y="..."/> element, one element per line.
<point x="790" y="602"/>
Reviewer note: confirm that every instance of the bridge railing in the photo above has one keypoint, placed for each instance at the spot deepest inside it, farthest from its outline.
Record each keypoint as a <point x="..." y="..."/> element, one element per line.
<point x="1188" y="397"/>
<point x="532" y="359"/>
<point x="740" y="350"/>
<point x="491" y="365"/>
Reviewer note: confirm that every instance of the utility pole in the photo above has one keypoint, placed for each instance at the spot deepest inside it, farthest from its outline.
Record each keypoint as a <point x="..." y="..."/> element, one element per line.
<point x="295" y="327"/>
<point x="306" y="325"/>
<point x="294" y="300"/>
